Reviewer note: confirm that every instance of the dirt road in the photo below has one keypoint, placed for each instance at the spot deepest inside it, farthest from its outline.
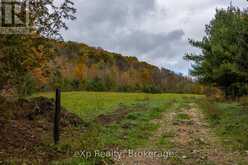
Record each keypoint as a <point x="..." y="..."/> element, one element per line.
<point x="185" y="136"/>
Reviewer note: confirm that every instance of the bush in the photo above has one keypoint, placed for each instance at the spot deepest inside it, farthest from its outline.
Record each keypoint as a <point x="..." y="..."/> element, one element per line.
<point x="237" y="90"/>
<point x="151" y="89"/>
<point x="214" y="94"/>
<point x="71" y="84"/>
<point x="95" y="85"/>
<point x="27" y="87"/>
<point x="125" y="88"/>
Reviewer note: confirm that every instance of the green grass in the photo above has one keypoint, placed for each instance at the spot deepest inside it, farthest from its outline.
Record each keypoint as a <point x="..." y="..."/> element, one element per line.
<point x="230" y="122"/>
<point x="131" y="131"/>
<point x="182" y="116"/>
<point x="164" y="141"/>
<point x="89" y="105"/>
<point x="135" y="129"/>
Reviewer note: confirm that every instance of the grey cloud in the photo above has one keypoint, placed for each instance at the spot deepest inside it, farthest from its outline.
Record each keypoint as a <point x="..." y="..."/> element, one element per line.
<point x="100" y="22"/>
<point x="99" y="12"/>
<point x="152" y="30"/>
<point x="142" y="42"/>
<point x="161" y="49"/>
<point x="112" y="12"/>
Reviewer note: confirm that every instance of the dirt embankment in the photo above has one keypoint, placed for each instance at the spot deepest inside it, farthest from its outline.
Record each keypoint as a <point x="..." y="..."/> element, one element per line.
<point x="24" y="126"/>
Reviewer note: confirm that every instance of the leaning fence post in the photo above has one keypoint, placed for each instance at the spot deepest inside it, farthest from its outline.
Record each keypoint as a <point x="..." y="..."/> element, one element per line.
<point x="56" y="132"/>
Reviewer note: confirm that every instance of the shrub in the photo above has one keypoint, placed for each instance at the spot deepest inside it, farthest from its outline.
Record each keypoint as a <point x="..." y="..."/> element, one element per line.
<point x="75" y="84"/>
<point x="151" y="89"/>
<point x="95" y="85"/>
<point x="27" y="87"/>
<point x="125" y="88"/>
<point x="214" y="94"/>
<point x="237" y="90"/>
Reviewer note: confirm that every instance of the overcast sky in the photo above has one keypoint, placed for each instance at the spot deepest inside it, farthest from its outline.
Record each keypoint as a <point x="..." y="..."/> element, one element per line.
<point x="155" y="31"/>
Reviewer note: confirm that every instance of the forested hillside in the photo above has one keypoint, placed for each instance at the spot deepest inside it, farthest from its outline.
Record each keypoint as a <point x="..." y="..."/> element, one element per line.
<point x="34" y="63"/>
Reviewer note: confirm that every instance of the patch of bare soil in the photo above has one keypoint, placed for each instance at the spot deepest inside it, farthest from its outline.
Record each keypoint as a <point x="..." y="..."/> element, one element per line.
<point x="139" y="159"/>
<point x="24" y="124"/>
<point x="120" y="113"/>
<point x="107" y="119"/>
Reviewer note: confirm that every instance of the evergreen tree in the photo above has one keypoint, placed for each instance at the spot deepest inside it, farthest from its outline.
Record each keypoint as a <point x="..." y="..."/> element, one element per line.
<point x="224" y="52"/>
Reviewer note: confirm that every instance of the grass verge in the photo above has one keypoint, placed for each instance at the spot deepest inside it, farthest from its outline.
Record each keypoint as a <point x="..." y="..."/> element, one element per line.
<point x="230" y="122"/>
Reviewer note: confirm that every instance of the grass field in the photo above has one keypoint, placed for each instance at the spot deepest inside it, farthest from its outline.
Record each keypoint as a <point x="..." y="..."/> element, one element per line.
<point x="88" y="105"/>
<point x="140" y="121"/>
<point x="130" y="130"/>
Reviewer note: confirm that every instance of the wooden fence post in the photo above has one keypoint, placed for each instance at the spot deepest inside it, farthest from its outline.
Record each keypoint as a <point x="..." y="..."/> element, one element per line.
<point x="56" y="132"/>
